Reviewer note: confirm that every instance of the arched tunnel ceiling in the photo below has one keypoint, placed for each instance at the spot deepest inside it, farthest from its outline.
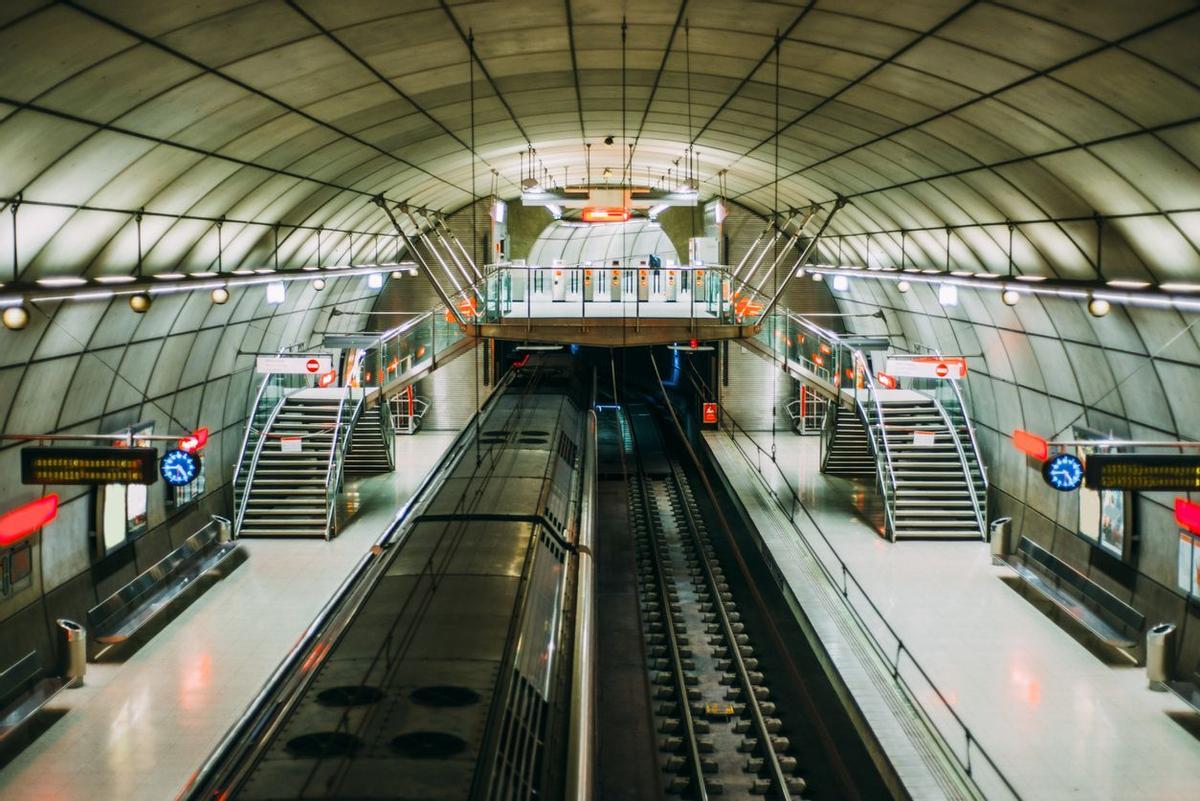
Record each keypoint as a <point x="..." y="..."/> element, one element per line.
<point x="923" y="113"/>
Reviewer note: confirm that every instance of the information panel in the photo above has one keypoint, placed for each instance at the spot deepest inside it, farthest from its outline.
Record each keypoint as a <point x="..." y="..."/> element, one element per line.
<point x="90" y="466"/>
<point x="312" y="365"/>
<point x="1143" y="472"/>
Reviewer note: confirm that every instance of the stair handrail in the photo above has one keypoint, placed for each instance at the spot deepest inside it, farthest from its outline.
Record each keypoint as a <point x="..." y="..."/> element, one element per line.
<point x="240" y="511"/>
<point x="967" y="474"/>
<point x="888" y="490"/>
<point x="828" y="424"/>
<point x="337" y="453"/>
<point x="981" y="510"/>
<point x="387" y="427"/>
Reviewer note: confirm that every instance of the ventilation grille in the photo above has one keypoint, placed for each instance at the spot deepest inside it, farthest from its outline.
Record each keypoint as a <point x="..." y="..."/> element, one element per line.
<point x="567" y="449"/>
<point x="518" y="773"/>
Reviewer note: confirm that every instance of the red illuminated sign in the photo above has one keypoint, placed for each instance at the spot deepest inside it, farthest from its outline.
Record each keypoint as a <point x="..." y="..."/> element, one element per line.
<point x="24" y="520"/>
<point x="1031" y="445"/>
<point x="195" y="441"/>
<point x="886" y="381"/>
<point x="710" y="413"/>
<point x="1187" y="515"/>
<point x="598" y="214"/>
<point x="327" y="379"/>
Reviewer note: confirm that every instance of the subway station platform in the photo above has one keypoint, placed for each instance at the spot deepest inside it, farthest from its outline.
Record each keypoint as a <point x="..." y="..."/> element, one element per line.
<point x="1054" y="718"/>
<point x="139" y="729"/>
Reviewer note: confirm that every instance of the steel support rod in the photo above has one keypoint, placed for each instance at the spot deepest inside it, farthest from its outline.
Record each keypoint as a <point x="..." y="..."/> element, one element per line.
<point x="462" y="249"/>
<point x="777" y="232"/>
<point x="432" y="248"/>
<point x="808" y="215"/>
<point x="437" y="288"/>
<point x="431" y="222"/>
<point x="812" y="243"/>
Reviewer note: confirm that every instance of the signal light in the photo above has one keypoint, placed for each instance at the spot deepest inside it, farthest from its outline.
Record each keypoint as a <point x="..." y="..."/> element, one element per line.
<point x="1031" y="445"/>
<point x="24" y="520"/>
<point x="886" y="381"/>
<point x="194" y="441"/>
<point x="327" y="378"/>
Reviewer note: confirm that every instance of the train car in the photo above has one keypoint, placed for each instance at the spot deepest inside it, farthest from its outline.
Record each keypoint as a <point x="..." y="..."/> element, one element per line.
<point x="452" y="677"/>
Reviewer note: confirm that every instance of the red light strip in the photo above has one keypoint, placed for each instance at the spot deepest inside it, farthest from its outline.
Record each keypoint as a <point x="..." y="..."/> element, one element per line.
<point x="1031" y="445"/>
<point x="1187" y="515"/>
<point x="195" y="441"/>
<point x="24" y="520"/>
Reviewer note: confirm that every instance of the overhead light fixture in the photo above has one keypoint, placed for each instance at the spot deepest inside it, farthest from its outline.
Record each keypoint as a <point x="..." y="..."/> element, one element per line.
<point x="1175" y="286"/>
<point x="720" y="212"/>
<point x="169" y="276"/>
<point x="275" y="292"/>
<point x="318" y="284"/>
<point x="948" y="294"/>
<point x="412" y="270"/>
<point x="220" y="295"/>
<point x="140" y="302"/>
<point x="1123" y="284"/>
<point x="657" y="210"/>
<point x="205" y="274"/>
<point x="15" y="317"/>
<point x="1010" y="297"/>
<point x="841" y="283"/>
<point x="903" y="286"/>
<point x="375" y="281"/>
<point x="555" y="210"/>
<point x="397" y="274"/>
<point x="61" y="282"/>
<point x="499" y="211"/>
<point x="116" y="279"/>
<point x="818" y="277"/>
<point x="1099" y="307"/>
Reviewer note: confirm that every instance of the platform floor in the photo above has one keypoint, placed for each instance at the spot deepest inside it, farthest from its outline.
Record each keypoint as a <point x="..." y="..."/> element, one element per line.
<point x="139" y="729"/>
<point x="1060" y="723"/>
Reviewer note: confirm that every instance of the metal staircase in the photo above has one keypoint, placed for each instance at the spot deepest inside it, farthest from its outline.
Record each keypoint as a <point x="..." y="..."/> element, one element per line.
<point x="934" y="495"/>
<point x="847" y="451"/>
<point x="292" y="480"/>
<point x="372" y="443"/>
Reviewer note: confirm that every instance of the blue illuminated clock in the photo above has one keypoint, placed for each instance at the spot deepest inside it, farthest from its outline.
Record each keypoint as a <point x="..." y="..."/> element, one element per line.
<point x="179" y="467"/>
<point x="1063" y="471"/>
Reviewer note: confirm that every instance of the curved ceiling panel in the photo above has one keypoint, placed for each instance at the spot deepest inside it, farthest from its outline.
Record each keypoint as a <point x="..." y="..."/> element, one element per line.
<point x="923" y="115"/>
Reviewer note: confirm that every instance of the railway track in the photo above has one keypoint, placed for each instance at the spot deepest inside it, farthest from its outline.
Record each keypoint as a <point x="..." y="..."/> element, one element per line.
<point x="718" y="730"/>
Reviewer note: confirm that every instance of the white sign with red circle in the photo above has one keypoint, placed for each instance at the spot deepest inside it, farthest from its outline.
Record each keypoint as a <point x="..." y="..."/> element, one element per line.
<point x="954" y="367"/>
<point x="307" y="365"/>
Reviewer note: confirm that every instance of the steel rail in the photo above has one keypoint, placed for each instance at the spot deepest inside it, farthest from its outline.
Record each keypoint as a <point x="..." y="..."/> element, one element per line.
<point x="699" y="788"/>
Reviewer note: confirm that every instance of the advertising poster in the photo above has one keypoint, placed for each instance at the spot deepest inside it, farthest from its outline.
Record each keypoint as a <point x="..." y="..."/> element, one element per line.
<point x="1188" y="569"/>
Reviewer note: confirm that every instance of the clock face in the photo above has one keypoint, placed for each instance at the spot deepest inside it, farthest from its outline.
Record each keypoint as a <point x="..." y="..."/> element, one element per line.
<point x="179" y="467"/>
<point x="1064" y="472"/>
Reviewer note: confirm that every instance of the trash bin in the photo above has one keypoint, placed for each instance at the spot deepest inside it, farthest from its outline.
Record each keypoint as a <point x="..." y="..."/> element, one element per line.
<point x="1001" y="537"/>
<point x="1160" y="655"/>
<point x="72" y="651"/>
<point x="224" y="528"/>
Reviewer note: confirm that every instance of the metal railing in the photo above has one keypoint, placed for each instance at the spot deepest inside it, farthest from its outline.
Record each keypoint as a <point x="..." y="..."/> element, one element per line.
<point x="908" y="673"/>
<point x="340" y="442"/>
<point x="242" y="501"/>
<point x="580" y="767"/>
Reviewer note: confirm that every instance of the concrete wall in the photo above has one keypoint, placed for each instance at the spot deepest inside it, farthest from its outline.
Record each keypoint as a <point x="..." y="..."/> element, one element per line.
<point x="1043" y="366"/>
<point x="97" y="367"/>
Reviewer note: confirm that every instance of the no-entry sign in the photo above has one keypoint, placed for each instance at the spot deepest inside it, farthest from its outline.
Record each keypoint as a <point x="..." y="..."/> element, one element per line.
<point x="310" y="365"/>
<point x="928" y="367"/>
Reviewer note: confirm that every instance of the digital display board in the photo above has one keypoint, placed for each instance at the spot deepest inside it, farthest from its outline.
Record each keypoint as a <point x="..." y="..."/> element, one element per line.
<point x="1143" y="472"/>
<point x="89" y="466"/>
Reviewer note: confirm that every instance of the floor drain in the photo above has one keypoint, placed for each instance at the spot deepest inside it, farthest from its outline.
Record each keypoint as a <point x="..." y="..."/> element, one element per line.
<point x="444" y="695"/>
<point x="324" y="744"/>
<point x="429" y="744"/>
<point x="350" y="695"/>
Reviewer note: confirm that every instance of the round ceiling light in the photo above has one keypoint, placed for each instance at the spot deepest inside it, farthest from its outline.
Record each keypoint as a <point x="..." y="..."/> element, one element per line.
<point x="1099" y="307"/>
<point x="818" y="277"/>
<point x="1010" y="297"/>
<point x="903" y="286"/>
<point x="319" y="284"/>
<point x="140" y="302"/>
<point x="220" y="295"/>
<point x="16" y="318"/>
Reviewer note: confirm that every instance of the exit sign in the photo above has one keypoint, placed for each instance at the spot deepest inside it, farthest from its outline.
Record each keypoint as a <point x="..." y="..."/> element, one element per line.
<point x="708" y="415"/>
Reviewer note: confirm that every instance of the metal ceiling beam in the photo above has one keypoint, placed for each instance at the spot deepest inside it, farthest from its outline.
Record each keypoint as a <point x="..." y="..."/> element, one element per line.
<point x="473" y="53"/>
<point x="1039" y="74"/>
<point x="295" y="6"/>
<point x="662" y="67"/>
<point x="382" y="203"/>
<point x="209" y="70"/>
<point x="575" y="69"/>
